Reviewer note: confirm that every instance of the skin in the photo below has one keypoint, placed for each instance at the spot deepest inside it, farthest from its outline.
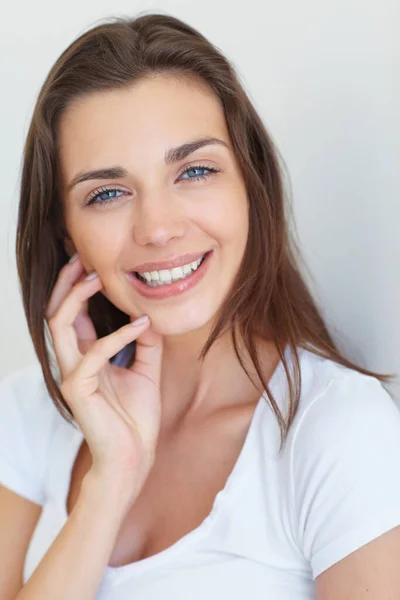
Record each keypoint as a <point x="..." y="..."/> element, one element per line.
<point x="162" y="216"/>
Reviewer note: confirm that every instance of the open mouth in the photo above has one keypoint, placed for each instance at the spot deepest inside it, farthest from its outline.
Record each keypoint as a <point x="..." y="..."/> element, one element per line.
<point x="166" y="283"/>
<point x="167" y="277"/>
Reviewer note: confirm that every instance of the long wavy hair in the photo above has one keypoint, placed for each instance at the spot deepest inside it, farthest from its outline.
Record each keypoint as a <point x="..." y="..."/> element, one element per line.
<point x="270" y="298"/>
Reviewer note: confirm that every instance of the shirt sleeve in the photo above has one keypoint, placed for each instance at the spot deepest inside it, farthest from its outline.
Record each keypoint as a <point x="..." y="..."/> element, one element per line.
<point x="345" y="469"/>
<point x="26" y="415"/>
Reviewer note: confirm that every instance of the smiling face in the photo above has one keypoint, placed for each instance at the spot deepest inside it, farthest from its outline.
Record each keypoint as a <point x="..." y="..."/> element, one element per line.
<point x="162" y="205"/>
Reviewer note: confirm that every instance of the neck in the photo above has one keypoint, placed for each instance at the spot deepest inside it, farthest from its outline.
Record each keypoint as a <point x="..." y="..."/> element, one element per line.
<point x="191" y="387"/>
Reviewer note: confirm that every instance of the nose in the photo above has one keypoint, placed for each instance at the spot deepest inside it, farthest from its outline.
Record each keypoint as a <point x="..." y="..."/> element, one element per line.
<point x="159" y="219"/>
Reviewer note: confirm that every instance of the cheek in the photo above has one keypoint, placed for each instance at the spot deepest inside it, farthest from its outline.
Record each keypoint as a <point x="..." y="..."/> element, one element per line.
<point x="226" y="219"/>
<point x="98" y="240"/>
<point x="230" y="224"/>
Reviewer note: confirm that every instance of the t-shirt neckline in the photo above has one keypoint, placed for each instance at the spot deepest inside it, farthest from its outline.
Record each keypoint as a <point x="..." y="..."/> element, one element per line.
<point x="232" y="485"/>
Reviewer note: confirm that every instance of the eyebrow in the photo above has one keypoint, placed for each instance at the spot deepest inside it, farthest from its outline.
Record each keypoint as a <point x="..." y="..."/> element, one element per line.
<point x="173" y="155"/>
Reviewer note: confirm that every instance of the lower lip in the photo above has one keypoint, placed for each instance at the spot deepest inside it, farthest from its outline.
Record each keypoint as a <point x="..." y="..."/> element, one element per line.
<point x="171" y="289"/>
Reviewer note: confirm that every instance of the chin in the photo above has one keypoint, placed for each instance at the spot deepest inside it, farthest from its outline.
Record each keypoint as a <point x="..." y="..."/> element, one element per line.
<point x="180" y="323"/>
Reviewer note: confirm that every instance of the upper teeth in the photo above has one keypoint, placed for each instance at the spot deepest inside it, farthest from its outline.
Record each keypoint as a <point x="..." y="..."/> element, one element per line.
<point x="169" y="275"/>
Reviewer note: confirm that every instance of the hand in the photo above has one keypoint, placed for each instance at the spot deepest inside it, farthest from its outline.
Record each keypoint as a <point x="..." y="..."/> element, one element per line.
<point x="117" y="409"/>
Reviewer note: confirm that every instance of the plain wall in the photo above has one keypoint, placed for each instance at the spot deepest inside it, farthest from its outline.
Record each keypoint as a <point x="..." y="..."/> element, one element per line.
<point x="324" y="77"/>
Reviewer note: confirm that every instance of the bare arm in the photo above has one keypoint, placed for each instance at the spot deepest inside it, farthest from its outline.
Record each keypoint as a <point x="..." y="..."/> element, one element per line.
<point x="18" y="519"/>
<point x="118" y="410"/>
<point x="75" y="564"/>
<point x="370" y="573"/>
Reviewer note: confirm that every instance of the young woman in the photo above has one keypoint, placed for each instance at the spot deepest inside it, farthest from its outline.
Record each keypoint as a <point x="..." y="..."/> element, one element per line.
<point x="206" y="438"/>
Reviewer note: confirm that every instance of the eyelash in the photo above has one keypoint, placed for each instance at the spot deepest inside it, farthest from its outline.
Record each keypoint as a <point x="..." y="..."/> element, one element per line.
<point x="96" y="193"/>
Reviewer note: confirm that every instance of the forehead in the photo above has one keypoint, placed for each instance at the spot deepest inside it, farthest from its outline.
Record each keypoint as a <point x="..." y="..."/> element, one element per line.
<point x="142" y="120"/>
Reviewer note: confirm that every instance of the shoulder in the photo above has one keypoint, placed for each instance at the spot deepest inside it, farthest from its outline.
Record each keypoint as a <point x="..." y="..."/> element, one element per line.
<point x="23" y="391"/>
<point x="334" y="400"/>
<point x="338" y="404"/>
<point x="27" y="412"/>
<point x="342" y="455"/>
<point x="28" y="418"/>
<point x="26" y="409"/>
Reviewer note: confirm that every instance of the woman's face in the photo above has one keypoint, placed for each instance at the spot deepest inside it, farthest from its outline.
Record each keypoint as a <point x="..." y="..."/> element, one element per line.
<point x="155" y="209"/>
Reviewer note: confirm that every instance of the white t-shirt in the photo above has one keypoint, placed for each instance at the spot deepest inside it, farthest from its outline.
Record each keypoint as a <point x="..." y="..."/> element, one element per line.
<point x="281" y="519"/>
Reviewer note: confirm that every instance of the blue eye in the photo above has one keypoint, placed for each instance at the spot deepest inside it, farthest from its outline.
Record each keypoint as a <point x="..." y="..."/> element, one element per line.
<point x="93" y="199"/>
<point x="194" y="168"/>
<point x="106" y="194"/>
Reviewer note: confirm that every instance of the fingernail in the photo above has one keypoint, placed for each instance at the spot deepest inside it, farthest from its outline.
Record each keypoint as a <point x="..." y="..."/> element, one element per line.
<point x="140" y="320"/>
<point x="91" y="276"/>
<point x="73" y="258"/>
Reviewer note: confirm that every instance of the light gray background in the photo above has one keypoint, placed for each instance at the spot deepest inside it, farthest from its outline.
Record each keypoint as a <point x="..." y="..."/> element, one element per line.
<point x="325" y="79"/>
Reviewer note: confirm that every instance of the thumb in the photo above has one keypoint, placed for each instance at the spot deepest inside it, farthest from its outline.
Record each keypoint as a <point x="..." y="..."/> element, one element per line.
<point x="148" y="355"/>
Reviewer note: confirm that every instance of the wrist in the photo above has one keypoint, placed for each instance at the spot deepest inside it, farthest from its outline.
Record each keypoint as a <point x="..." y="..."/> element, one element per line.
<point x="111" y="493"/>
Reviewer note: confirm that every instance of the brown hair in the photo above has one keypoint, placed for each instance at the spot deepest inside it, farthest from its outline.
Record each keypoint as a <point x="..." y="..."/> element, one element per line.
<point x="269" y="299"/>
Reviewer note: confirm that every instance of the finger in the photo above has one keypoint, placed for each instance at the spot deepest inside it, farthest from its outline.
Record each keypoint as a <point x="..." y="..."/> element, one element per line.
<point x="85" y="330"/>
<point x="105" y="348"/>
<point x="67" y="277"/>
<point x="70" y="274"/>
<point x="148" y="355"/>
<point x="62" y="325"/>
